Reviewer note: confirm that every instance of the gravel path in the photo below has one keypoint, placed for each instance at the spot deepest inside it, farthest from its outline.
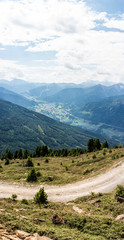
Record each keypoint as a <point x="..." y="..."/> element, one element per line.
<point x="104" y="183"/>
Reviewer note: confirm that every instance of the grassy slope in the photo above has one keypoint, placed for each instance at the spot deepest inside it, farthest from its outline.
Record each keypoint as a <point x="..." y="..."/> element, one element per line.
<point x="21" y="128"/>
<point x="62" y="169"/>
<point x="96" y="222"/>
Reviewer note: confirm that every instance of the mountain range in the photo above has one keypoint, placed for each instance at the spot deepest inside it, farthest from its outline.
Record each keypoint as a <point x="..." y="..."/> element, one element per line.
<point x="79" y="96"/>
<point x="13" y="97"/>
<point x="22" y="128"/>
<point x="98" y="109"/>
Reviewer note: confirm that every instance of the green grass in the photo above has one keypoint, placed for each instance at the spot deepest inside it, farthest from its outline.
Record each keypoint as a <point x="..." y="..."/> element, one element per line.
<point x="97" y="221"/>
<point x="62" y="169"/>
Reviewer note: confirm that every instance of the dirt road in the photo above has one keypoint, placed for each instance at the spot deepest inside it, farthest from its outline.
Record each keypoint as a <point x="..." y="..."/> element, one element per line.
<point x="104" y="183"/>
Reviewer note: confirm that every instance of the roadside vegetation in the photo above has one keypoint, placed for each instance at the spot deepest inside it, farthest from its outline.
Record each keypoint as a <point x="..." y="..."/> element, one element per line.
<point x="48" y="167"/>
<point x="98" y="219"/>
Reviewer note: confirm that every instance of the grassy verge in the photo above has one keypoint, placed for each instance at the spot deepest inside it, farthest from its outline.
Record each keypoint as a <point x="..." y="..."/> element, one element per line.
<point x="96" y="222"/>
<point x="61" y="170"/>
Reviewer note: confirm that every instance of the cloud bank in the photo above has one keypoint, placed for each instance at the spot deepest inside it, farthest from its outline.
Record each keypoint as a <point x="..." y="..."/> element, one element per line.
<point x="75" y="42"/>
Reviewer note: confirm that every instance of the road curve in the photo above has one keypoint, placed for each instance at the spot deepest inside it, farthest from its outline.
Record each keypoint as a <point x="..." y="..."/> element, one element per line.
<point x="104" y="183"/>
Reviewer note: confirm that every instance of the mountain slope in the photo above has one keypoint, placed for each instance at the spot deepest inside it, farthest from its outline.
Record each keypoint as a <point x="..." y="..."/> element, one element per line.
<point x="18" y="85"/>
<point x="79" y="96"/>
<point x="15" y="98"/>
<point x="107" y="114"/>
<point x="21" y="128"/>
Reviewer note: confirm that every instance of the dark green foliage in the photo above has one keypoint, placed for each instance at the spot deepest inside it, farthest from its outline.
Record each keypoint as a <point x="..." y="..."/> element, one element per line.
<point x="90" y="145"/>
<point x="7" y="161"/>
<point x="93" y="145"/>
<point x="29" y="162"/>
<point x="119" y="191"/>
<point x="97" y="144"/>
<point x="40" y="197"/>
<point x="24" y="201"/>
<point x="46" y="160"/>
<point x="105" y="145"/>
<point x="8" y="155"/>
<point x="20" y="154"/>
<point x="38" y="174"/>
<point x="32" y="176"/>
<point x="26" y="154"/>
<point x="14" y="197"/>
<point x="16" y="154"/>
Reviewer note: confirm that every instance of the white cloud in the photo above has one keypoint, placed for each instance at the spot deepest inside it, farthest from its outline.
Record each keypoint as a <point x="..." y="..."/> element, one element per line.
<point x="115" y="23"/>
<point x="69" y="28"/>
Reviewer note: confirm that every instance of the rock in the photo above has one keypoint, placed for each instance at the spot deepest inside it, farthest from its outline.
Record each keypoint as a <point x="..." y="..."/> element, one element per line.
<point x="45" y="238"/>
<point x="39" y="220"/>
<point x="2" y="210"/>
<point x="94" y="201"/>
<point x="22" y="234"/>
<point x="77" y="209"/>
<point x="23" y="217"/>
<point x="120" y="218"/>
<point x="10" y="237"/>
<point x="56" y="219"/>
<point x="41" y="238"/>
<point x="120" y="199"/>
<point x="37" y="237"/>
<point x="50" y="178"/>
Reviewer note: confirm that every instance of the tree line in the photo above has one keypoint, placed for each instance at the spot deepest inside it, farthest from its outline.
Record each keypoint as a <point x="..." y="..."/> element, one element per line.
<point x="42" y="151"/>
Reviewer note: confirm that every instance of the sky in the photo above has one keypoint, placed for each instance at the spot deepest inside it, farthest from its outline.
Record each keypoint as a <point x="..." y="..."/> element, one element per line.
<point x="62" y="40"/>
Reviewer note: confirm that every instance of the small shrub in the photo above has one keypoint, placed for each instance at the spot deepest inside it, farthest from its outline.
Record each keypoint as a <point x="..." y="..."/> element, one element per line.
<point x="110" y="151"/>
<point x="104" y="151"/>
<point x="46" y="160"/>
<point x="14" y="197"/>
<point x="29" y="162"/>
<point x="0" y="166"/>
<point x="38" y="174"/>
<point x="32" y="176"/>
<point x="94" y="156"/>
<point x="7" y="162"/>
<point x="119" y="191"/>
<point x="113" y="156"/>
<point x="72" y="161"/>
<point x="24" y="201"/>
<point x="38" y="164"/>
<point x="66" y="168"/>
<point x="40" y="197"/>
<point x="87" y="170"/>
<point x="100" y="194"/>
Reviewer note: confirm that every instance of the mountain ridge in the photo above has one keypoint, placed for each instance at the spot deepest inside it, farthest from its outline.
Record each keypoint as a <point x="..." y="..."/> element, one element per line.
<point x="22" y="128"/>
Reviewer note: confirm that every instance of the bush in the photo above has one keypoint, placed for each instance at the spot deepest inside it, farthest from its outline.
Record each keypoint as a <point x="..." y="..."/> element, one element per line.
<point x="14" y="197"/>
<point x="32" y="176"/>
<point x="119" y="191"/>
<point x="94" y="156"/>
<point x="29" y="162"/>
<point x="87" y="170"/>
<point x="40" y="197"/>
<point x="24" y="201"/>
<point x="38" y="174"/>
<point x="7" y="162"/>
<point x="46" y="160"/>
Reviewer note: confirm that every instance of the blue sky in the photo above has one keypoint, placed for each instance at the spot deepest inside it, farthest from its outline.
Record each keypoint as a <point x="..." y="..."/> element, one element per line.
<point x="109" y="6"/>
<point x="62" y="40"/>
